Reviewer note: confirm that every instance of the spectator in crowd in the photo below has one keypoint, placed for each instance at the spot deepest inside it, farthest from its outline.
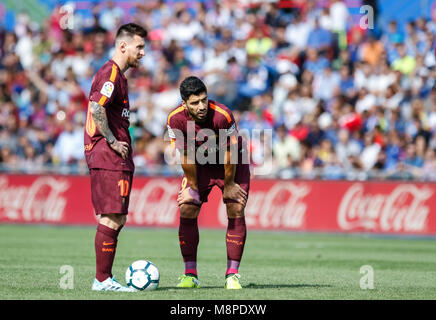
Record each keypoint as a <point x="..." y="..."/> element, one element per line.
<point x="259" y="43"/>
<point x="326" y="84"/>
<point x="298" y="31"/>
<point x="319" y="38"/>
<point x="370" y="152"/>
<point x="314" y="62"/>
<point x="429" y="168"/>
<point x="347" y="150"/>
<point x="110" y="16"/>
<point x="405" y="63"/>
<point x="286" y="149"/>
<point x="68" y="146"/>
<point x="339" y="16"/>
<point x="372" y="51"/>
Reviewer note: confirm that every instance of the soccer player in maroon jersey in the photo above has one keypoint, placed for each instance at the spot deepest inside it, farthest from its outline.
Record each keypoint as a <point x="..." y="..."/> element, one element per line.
<point x="108" y="150"/>
<point x="207" y="163"/>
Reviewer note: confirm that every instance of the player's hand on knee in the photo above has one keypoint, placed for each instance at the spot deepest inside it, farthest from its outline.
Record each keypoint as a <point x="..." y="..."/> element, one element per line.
<point x="121" y="148"/>
<point x="235" y="192"/>
<point x="188" y="195"/>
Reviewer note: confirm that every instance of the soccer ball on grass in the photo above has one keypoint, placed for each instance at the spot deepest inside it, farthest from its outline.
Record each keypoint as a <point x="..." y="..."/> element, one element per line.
<point x="142" y="275"/>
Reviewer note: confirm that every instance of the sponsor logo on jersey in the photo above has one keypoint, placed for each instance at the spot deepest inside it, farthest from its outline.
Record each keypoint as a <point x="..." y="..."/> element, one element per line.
<point x="125" y="113"/>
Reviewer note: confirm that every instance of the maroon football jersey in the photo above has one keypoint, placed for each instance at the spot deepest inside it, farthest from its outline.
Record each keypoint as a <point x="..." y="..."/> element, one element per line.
<point x="109" y="89"/>
<point x="219" y="117"/>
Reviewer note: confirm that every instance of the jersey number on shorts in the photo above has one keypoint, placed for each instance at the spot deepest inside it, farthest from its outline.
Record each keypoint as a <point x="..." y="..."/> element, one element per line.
<point x="124" y="187"/>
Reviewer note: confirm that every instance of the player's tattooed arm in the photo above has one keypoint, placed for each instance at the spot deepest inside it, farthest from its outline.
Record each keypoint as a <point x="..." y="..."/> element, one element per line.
<point x="100" y="118"/>
<point x="99" y="115"/>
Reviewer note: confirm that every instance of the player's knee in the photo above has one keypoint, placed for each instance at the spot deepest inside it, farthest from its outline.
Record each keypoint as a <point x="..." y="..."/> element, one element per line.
<point x="113" y="221"/>
<point x="189" y="211"/>
<point x="235" y="210"/>
<point x="123" y="219"/>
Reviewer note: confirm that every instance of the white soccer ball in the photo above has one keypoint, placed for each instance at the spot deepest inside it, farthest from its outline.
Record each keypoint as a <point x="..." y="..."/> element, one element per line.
<point x="142" y="275"/>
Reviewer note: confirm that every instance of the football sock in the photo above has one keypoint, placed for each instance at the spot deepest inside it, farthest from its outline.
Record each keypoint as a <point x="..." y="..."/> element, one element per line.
<point x="105" y="246"/>
<point x="235" y="241"/>
<point x="188" y="239"/>
<point x="232" y="267"/>
<point x="191" y="268"/>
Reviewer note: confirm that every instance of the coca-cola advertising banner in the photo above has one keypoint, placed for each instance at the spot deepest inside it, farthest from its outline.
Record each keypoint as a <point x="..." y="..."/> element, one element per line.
<point x="333" y="206"/>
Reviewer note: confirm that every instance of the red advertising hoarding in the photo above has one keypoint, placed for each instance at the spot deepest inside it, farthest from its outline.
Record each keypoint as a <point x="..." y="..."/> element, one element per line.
<point x="332" y="206"/>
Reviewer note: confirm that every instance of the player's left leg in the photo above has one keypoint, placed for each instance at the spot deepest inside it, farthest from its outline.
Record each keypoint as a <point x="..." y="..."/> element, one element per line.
<point x="188" y="240"/>
<point x="235" y="241"/>
<point x="236" y="228"/>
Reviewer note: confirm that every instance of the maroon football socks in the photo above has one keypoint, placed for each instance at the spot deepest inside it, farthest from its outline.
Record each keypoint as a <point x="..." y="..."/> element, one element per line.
<point x="105" y="248"/>
<point x="235" y="241"/>
<point x="188" y="239"/>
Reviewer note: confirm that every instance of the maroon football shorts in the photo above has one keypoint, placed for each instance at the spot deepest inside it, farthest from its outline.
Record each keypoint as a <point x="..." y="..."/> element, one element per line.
<point x="209" y="176"/>
<point x="110" y="190"/>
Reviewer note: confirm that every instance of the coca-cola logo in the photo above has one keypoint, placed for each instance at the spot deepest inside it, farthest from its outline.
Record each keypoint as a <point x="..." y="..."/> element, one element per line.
<point x="40" y="201"/>
<point x="282" y="205"/>
<point x="403" y="209"/>
<point x="155" y="203"/>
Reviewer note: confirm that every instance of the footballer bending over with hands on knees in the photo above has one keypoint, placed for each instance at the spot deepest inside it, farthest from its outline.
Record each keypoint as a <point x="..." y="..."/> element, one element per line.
<point x="213" y="158"/>
<point x="108" y="150"/>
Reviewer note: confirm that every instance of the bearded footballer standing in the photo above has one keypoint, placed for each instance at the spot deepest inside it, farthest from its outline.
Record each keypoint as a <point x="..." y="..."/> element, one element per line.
<point x="216" y="121"/>
<point x="108" y="150"/>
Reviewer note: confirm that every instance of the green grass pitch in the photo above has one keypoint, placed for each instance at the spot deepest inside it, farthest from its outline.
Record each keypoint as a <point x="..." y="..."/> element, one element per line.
<point x="276" y="265"/>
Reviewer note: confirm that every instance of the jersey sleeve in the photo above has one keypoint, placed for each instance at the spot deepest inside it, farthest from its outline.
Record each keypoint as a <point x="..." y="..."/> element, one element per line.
<point x="176" y="133"/>
<point x="104" y="87"/>
<point x="227" y="125"/>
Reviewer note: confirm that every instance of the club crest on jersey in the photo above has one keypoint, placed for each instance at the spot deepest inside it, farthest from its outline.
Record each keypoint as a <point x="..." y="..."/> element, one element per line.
<point x="107" y="89"/>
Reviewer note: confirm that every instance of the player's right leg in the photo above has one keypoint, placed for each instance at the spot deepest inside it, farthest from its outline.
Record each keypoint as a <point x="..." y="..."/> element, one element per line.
<point x="110" y="199"/>
<point x="188" y="229"/>
<point x="189" y="239"/>
<point x="106" y="239"/>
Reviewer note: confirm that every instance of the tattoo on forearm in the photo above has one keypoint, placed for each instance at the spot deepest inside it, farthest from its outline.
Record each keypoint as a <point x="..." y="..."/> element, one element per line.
<point x="100" y="119"/>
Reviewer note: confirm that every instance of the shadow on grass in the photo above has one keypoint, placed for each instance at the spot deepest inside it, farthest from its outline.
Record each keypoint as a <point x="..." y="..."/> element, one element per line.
<point x="254" y="286"/>
<point x="272" y="286"/>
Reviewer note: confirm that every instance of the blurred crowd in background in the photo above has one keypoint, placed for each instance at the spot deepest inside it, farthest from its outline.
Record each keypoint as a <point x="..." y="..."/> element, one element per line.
<point x="341" y="101"/>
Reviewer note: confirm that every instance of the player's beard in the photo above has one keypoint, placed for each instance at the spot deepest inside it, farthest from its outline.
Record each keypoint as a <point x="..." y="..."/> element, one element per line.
<point x="196" y="117"/>
<point x="132" y="62"/>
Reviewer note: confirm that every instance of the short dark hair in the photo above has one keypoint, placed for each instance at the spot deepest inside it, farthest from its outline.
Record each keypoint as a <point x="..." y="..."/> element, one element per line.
<point x="131" y="29"/>
<point x="191" y="86"/>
